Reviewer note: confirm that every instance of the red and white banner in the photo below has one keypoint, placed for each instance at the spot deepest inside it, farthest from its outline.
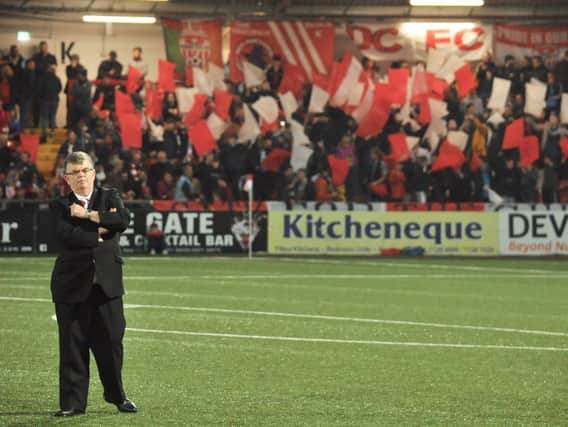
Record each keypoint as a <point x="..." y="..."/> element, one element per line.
<point x="308" y="45"/>
<point x="520" y="41"/>
<point x="411" y="41"/>
<point x="192" y="43"/>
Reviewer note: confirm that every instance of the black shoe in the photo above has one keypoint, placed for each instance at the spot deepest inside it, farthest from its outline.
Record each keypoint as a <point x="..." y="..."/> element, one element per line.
<point x="68" y="412"/>
<point x="127" y="406"/>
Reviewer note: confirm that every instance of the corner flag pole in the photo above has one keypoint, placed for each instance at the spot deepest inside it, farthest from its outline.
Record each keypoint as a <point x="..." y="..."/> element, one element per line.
<point x="249" y="185"/>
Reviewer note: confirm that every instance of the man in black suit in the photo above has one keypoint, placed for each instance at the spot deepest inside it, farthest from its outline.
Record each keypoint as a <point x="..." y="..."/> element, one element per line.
<point x="87" y="288"/>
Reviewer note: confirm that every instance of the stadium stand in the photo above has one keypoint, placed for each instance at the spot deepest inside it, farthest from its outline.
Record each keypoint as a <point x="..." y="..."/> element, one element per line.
<point x="474" y="161"/>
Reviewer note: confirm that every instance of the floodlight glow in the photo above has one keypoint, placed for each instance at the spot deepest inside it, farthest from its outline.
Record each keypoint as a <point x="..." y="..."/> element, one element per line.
<point x="24" y="36"/>
<point x="459" y="3"/>
<point x="120" y="19"/>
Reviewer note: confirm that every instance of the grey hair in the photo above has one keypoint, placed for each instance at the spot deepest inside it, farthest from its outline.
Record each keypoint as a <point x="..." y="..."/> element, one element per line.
<point x="76" y="158"/>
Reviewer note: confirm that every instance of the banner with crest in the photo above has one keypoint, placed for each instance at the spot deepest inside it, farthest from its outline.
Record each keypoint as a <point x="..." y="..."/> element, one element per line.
<point x="191" y="43"/>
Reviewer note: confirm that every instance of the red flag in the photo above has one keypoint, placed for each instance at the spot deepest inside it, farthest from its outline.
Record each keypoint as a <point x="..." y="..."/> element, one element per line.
<point x="398" y="80"/>
<point x="273" y="162"/>
<point x="131" y="130"/>
<point x="166" y="73"/>
<point x="399" y="148"/>
<point x="123" y="103"/>
<point x="378" y="115"/>
<point x="529" y="150"/>
<point x="339" y="170"/>
<point x="438" y="88"/>
<point x="197" y="109"/>
<point x="449" y="156"/>
<point x="309" y="45"/>
<point x="30" y="144"/>
<point x="201" y="138"/>
<point x="222" y="103"/>
<point x="514" y="134"/>
<point x="269" y="127"/>
<point x="104" y="114"/>
<point x="134" y="79"/>
<point x="564" y="146"/>
<point x="189" y="75"/>
<point x="153" y="107"/>
<point x="465" y="79"/>
<point x="424" y="117"/>
<point x="292" y="80"/>
<point x="99" y="102"/>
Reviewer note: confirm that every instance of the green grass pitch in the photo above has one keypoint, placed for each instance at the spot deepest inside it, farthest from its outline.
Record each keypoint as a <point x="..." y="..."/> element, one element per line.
<point x="307" y="342"/>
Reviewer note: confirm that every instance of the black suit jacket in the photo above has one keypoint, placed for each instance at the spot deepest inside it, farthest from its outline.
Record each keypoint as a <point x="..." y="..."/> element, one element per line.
<point x="83" y="260"/>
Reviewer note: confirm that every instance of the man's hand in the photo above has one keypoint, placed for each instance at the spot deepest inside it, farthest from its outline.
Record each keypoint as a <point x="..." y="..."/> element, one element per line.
<point x="103" y="230"/>
<point x="78" y="211"/>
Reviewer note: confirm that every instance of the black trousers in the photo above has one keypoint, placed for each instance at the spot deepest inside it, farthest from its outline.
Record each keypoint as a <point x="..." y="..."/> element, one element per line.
<point x="96" y="324"/>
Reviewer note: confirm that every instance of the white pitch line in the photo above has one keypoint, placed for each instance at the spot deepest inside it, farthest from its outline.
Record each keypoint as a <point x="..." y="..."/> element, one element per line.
<point x="379" y="263"/>
<point x="343" y="341"/>
<point x="319" y="317"/>
<point x="348" y="319"/>
<point x="25" y="299"/>
<point x="316" y="276"/>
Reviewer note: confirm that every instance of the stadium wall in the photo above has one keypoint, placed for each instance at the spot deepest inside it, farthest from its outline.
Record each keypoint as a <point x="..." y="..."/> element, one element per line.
<point x="316" y="229"/>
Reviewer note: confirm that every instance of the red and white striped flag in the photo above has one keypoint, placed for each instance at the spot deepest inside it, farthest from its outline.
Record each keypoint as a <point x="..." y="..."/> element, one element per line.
<point x="346" y="79"/>
<point x="308" y="45"/>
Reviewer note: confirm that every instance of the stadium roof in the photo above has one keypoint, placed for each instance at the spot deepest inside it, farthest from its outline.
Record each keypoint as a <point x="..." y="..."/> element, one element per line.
<point x="336" y="10"/>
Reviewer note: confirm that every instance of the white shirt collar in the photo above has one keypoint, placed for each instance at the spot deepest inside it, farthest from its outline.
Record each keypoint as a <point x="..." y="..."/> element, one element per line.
<point x="85" y="198"/>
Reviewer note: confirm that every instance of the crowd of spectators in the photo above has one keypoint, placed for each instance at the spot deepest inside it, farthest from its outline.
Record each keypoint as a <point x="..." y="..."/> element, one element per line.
<point x="167" y="167"/>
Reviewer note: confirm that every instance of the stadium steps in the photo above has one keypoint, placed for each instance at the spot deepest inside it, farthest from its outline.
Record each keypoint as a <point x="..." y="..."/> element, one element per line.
<point x="47" y="153"/>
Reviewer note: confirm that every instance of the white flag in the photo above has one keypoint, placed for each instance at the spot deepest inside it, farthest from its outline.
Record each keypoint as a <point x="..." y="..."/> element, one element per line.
<point x="157" y="131"/>
<point x="411" y="142"/>
<point x="450" y="66"/>
<point x="249" y="129"/>
<point x="216" y="125"/>
<point x="434" y="133"/>
<point x="298" y="134"/>
<point x="535" y="95"/>
<point x="301" y="151"/>
<point x="499" y="94"/>
<point x="318" y="100"/>
<point x="216" y="76"/>
<point x="289" y="104"/>
<point x="254" y="76"/>
<point x="438" y="109"/>
<point x="435" y="61"/>
<point x="201" y="82"/>
<point x="496" y="119"/>
<point x="356" y="94"/>
<point x="535" y="81"/>
<point x="564" y="109"/>
<point x="458" y="138"/>
<point x="185" y="97"/>
<point x="267" y="108"/>
<point x="494" y="198"/>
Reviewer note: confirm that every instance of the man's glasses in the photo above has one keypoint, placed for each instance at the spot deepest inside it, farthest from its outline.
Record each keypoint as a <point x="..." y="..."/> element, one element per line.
<point x="78" y="172"/>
